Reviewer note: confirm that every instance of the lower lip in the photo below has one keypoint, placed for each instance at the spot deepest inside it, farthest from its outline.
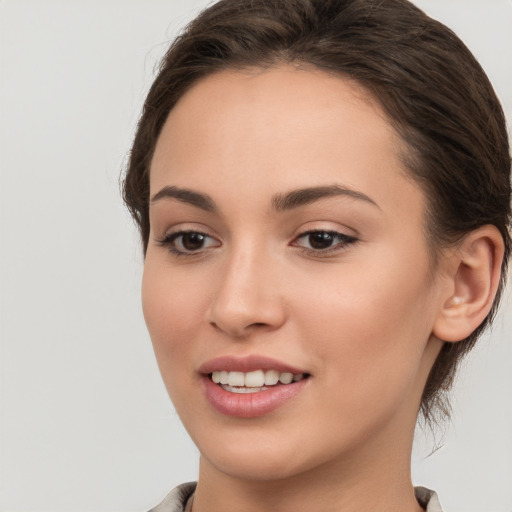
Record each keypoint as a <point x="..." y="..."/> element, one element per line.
<point x="250" y="405"/>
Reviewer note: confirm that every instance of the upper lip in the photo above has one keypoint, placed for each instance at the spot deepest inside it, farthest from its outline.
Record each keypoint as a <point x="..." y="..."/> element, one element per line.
<point x="246" y="364"/>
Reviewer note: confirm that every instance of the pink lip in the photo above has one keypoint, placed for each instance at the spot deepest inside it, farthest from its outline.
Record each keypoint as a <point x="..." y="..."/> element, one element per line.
<point x="250" y="405"/>
<point x="246" y="364"/>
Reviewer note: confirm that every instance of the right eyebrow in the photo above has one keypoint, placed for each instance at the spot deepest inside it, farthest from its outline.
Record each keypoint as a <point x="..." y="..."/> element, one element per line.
<point x="185" y="195"/>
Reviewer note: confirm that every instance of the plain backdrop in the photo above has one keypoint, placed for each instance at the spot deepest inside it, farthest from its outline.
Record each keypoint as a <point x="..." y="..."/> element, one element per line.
<point x="85" y="422"/>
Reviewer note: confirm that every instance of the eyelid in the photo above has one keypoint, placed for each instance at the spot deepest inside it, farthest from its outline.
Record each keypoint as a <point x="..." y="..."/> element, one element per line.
<point x="183" y="227"/>
<point x="168" y="241"/>
<point x="340" y="246"/>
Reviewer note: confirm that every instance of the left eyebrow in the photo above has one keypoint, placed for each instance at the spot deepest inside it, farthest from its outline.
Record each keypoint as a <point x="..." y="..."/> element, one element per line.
<point x="305" y="196"/>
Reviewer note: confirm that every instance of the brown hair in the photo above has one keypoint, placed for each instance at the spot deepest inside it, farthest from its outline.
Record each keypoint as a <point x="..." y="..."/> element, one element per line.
<point x="435" y="93"/>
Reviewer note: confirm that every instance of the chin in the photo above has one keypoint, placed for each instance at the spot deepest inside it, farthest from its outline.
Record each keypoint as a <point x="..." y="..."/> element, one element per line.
<point x="257" y="466"/>
<point x="258" y="454"/>
<point x="251" y="453"/>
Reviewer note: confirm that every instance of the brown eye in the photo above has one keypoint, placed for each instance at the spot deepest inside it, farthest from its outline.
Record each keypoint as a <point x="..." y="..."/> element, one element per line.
<point x="185" y="243"/>
<point x="320" y="240"/>
<point x="323" y="241"/>
<point x="192" y="241"/>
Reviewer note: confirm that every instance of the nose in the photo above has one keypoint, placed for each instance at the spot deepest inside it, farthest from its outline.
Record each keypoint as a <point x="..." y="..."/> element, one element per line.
<point x="248" y="298"/>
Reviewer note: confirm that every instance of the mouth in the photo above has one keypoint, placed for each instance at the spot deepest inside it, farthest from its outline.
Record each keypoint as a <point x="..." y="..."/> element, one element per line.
<point x="254" y="381"/>
<point x="251" y="386"/>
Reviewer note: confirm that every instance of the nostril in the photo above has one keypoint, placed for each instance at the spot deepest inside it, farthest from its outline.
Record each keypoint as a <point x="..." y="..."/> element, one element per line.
<point x="239" y="318"/>
<point x="239" y="330"/>
<point x="215" y="326"/>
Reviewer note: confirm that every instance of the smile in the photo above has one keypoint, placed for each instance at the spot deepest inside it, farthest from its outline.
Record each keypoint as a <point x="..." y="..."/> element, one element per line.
<point x="254" y="381"/>
<point x="251" y="386"/>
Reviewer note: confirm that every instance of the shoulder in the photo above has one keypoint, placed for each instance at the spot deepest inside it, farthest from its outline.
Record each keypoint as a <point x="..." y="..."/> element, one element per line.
<point x="428" y="499"/>
<point x="176" y="500"/>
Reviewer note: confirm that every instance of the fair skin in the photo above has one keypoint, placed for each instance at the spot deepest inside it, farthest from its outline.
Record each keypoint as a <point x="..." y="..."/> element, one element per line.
<point x="336" y="282"/>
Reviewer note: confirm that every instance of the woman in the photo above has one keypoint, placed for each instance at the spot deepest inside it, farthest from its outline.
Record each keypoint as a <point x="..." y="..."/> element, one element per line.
<point x="323" y="194"/>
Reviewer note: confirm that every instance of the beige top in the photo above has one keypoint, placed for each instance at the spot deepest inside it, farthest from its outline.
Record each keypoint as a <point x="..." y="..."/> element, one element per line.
<point x="180" y="499"/>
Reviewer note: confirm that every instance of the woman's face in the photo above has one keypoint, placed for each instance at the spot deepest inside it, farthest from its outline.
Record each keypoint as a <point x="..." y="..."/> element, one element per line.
<point x="287" y="239"/>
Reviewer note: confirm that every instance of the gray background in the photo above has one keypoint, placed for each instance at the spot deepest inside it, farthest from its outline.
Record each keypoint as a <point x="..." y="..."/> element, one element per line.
<point x="85" y="421"/>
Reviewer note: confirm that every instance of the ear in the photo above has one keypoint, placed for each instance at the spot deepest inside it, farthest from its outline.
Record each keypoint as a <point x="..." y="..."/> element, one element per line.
<point x="474" y="275"/>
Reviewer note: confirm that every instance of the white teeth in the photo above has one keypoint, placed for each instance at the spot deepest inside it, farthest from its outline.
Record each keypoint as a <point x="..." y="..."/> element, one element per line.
<point x="286" y="378"/>
<point x="242" y="390"/>
<point x="255" y="380"/>
<point x="236" y="379"/>
<point x="271" y="377"/>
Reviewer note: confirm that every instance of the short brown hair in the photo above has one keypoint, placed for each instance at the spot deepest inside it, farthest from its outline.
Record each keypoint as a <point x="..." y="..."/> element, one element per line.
<point x="433" y="90"/>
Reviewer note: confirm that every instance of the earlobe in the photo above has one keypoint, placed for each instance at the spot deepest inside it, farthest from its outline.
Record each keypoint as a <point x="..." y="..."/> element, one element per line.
<point x="474" y="279"/>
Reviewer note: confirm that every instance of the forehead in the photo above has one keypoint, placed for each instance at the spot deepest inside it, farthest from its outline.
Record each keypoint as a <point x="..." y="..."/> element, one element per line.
<point x="275" y="105"/>
<point x="277" y="129"/>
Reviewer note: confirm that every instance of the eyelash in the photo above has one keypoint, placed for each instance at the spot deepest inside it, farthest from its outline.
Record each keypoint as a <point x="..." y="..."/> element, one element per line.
<point x="343" y="241"/>
<point x="169" y="242"/>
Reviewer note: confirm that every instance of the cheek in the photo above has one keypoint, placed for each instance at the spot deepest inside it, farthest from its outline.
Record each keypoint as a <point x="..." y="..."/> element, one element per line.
<point x="359" y="303"/>
<point x="368" y="329"/>
<point x="172" y="307"/>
